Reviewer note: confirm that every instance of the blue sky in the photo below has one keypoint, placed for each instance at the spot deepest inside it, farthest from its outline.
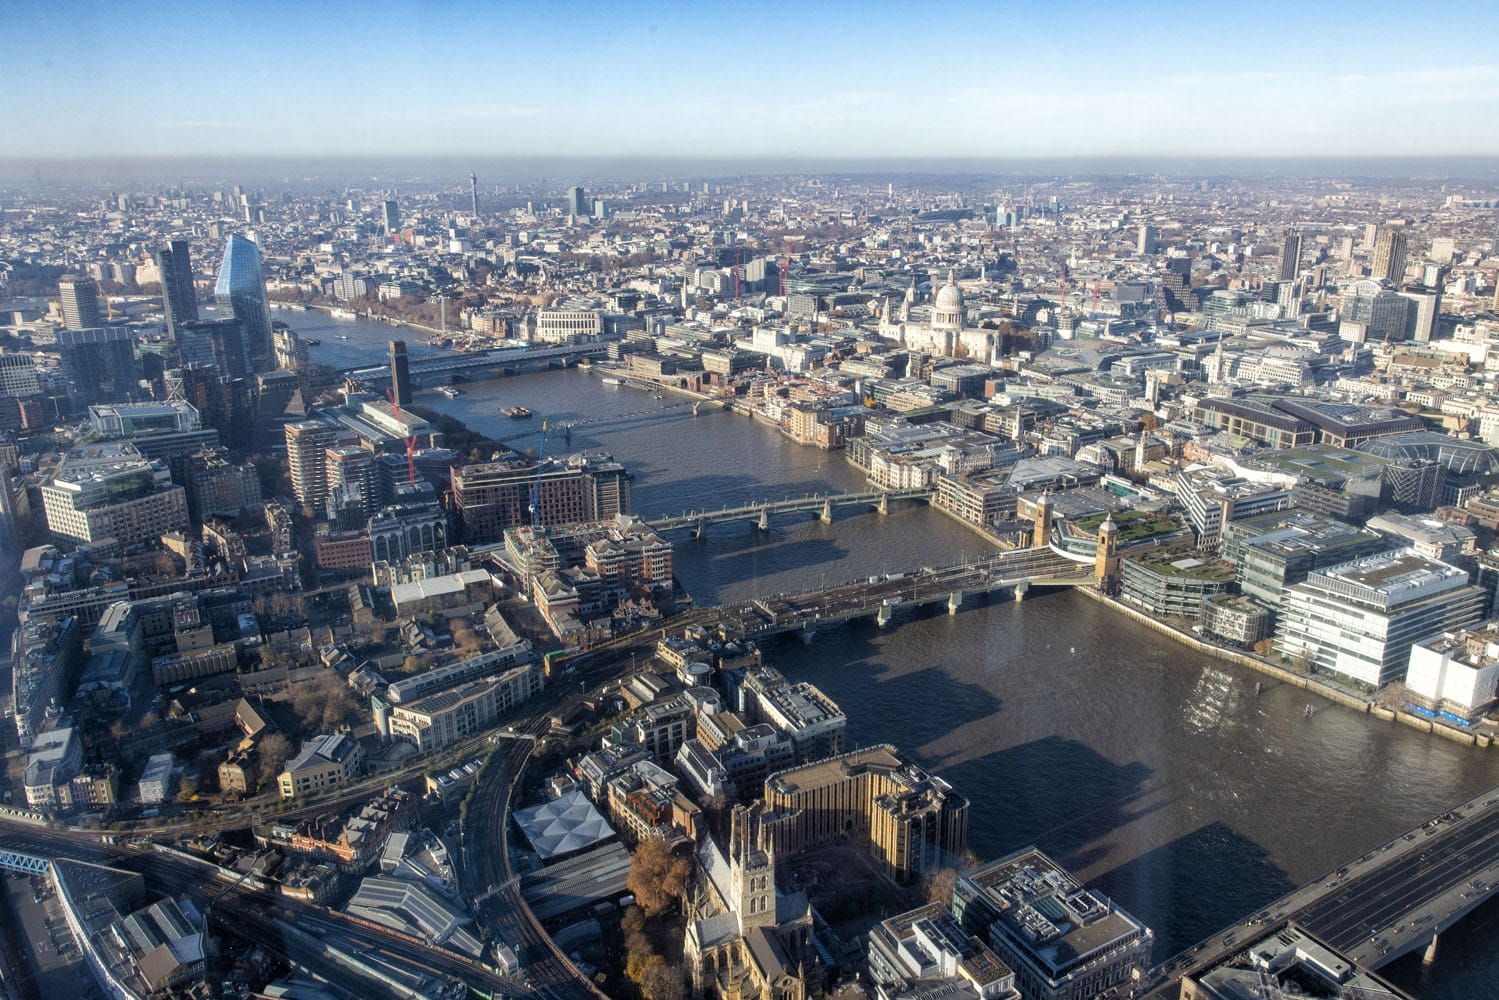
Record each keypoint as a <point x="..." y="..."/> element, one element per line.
<point x="749" y="78"/>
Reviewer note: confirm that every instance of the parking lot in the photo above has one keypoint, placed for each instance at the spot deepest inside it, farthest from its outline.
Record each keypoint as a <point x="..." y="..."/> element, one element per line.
<point x="47" y="943"/>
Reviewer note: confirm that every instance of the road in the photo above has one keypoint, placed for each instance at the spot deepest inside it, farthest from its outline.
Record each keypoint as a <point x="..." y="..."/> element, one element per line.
<point x="1379" y="905"/>
<point x="1370" y="905"/>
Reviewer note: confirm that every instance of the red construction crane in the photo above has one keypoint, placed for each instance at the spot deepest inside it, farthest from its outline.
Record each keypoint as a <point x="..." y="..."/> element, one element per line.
<point x="390" y="394"/>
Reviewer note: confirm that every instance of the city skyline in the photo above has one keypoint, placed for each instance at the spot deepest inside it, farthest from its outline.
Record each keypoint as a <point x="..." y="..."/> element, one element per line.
<point x="1076" y="80"/>
<point x="750" y="502"/>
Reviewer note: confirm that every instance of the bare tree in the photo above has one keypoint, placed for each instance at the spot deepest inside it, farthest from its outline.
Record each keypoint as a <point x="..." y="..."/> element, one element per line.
<point x="465" y="639"/>
<point x="663" y="981"/>
<point x="657" y="876"/>
<point x="271" y="755"/>
<point x="940" y="885"/>
<point x="324" y="703"/>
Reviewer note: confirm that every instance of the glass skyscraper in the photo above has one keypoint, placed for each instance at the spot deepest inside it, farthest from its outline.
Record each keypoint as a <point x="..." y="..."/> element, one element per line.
<point x="220" y="343"/>
<point x="100" y="364"/>
<point x="179" y="300"/>
<point x="241" y="288"/>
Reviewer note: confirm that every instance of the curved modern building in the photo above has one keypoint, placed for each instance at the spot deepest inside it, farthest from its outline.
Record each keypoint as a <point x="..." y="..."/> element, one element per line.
<point x="241" y="288"/>
<point x="1461" y="456"/>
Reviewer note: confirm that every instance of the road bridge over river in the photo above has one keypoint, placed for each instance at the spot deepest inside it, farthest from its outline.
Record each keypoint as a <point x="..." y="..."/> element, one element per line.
<point x="879" y="597"/>
<point x="440" y="371"/>
<point x="1395" y="899"/>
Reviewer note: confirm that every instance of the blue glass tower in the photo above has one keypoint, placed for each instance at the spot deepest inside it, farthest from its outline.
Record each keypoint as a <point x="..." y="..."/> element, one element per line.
<point x="241" y="288"/>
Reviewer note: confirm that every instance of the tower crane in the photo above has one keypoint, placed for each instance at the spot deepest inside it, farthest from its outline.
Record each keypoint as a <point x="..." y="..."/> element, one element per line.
<point x="395" y="407"/>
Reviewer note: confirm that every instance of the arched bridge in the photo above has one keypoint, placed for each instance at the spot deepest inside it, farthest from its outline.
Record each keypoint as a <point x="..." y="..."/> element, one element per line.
<point x="823" y="504"/>
<point x="881" y="596"/>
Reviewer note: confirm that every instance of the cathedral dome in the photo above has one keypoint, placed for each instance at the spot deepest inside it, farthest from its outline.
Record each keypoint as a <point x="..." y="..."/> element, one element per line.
<point x="949" y="298"/>
<point x="947" y="307"/>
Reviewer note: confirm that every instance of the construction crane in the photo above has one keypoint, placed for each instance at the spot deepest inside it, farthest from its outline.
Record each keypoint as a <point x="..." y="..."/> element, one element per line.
<point x="395" y="407"/>
<point x="541" y="450"/>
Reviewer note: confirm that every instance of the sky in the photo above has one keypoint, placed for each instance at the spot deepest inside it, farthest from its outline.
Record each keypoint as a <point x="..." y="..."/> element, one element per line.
<point x="749" y="78"/>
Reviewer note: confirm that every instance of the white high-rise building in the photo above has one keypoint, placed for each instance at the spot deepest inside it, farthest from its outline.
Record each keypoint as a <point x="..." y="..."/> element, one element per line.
<point x="1360" y="619"/>
<point x="1456" y="672"/>
<point x="110" y="491"/>
<point x="18" y="375"/>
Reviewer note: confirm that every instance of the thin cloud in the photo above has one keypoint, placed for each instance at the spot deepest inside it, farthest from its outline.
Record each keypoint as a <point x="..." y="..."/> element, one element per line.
<point x="469" y="113"/>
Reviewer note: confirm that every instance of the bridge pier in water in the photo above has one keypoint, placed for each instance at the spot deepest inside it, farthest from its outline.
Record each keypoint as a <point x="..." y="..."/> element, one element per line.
<point x="954" y="602"/>
<point x="764" y="522"/>
<point x="884" y="505"/>
<point x="1429" y="956"/>
<point x="882" y="616"/>
<point x="806" y="635"/>
<point x="701" y="529"/>
<point x="827" y="512"/>
<point x="1021" y="589"/>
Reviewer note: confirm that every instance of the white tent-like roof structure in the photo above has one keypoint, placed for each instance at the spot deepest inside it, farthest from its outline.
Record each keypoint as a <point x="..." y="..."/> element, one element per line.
<point x="567" y="824"/>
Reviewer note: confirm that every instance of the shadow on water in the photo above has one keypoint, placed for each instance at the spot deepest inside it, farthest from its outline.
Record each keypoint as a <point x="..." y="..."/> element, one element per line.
<point x="968" y="701"/>
<point x="1163" y="887"/>
<point x="1053" y="792"/>
<point x="894" y="692"/>
<point x="755" y="559"/>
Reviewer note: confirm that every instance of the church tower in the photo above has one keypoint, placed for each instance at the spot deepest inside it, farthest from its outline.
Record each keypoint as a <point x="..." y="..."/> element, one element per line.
<point x="752" y="869"/>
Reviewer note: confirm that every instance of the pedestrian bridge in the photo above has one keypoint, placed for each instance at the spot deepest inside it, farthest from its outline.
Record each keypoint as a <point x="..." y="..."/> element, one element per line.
<point x="823" y="504"/>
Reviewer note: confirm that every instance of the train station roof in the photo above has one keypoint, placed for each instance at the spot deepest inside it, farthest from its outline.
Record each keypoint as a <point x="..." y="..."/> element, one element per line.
<point x="565" y="825"/>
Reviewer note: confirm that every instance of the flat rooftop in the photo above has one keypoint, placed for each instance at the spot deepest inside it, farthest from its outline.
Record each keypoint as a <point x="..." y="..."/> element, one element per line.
<point x="835" y="769"/>
<point x="1393" y="571"/>
<point x="1321" y="463"/>
<point x="1045" y="911"/>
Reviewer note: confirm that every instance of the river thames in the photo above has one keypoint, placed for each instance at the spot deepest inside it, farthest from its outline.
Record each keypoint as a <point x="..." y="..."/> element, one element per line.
<point x="1167" y="778"/>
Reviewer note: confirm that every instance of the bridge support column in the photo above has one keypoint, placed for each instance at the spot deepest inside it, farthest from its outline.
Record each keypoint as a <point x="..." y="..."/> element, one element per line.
<point x="882" y="616"/>
<point x="827" y="512"/>
<point x="695" y="406"/>
<point x="764" y="523"/>
<point x="884" y="507"/>
<point x="1430" y="955"/>
<point x="1021" y="589"/>
<point x="807" y="635"/>
<point x="701" y="531"/>
<point x="954" y="602"/>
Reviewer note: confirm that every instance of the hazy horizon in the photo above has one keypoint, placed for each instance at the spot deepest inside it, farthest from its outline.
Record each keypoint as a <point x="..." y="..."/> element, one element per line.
<point x="294" y="170"/>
